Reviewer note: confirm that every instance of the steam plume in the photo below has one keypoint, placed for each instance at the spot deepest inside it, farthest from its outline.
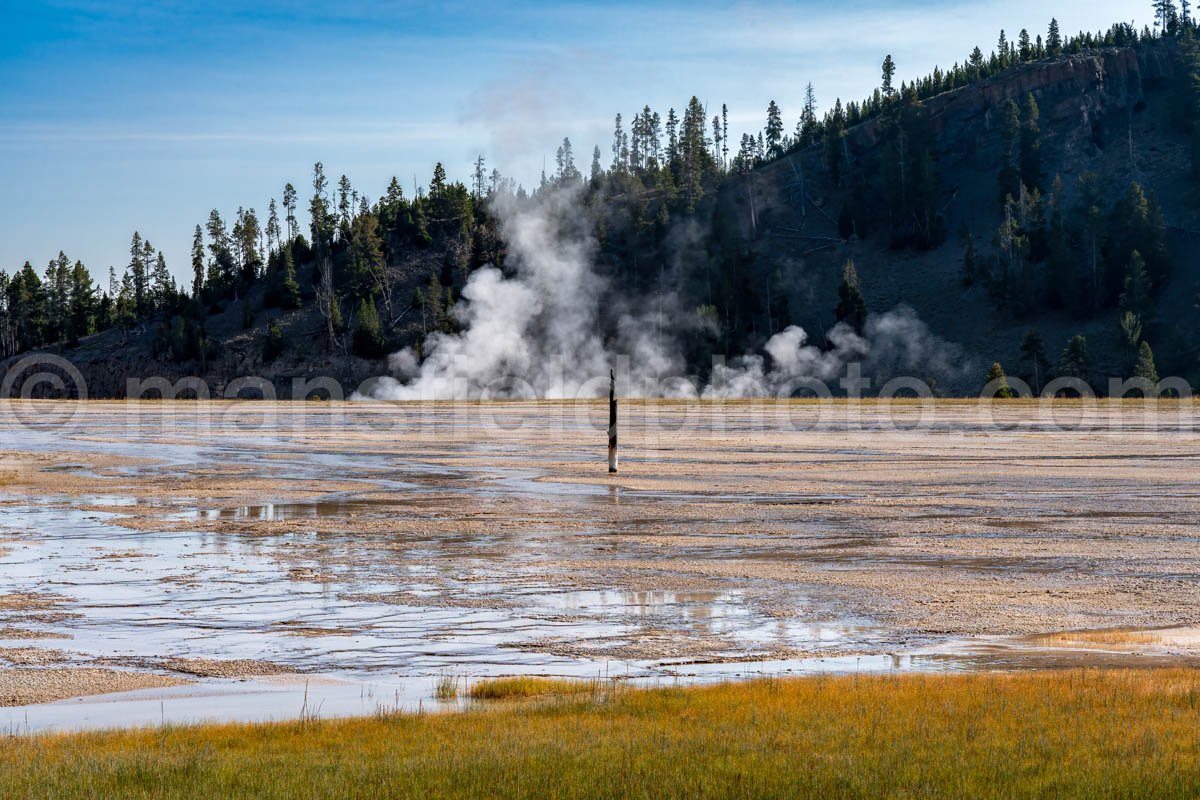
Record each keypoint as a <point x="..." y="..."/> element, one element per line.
<point x="537" y="331"/>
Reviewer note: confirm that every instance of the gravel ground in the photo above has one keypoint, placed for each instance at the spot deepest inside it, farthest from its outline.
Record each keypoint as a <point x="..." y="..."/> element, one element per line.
<point x="19" y="687"/>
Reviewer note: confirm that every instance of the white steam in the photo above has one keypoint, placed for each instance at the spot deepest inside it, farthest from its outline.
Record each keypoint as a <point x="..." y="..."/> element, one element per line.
<point x="893" y="345"/>
<point x="537" y="332"/>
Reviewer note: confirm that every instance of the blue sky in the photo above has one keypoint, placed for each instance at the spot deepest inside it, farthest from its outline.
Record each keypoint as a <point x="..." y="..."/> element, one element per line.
<point x="126" y="115"/>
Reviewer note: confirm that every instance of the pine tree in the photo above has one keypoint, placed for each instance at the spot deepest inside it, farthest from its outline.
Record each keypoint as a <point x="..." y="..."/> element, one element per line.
<point x="237" y="238"/>
<point x="197" y="262"/>
<point x="223" y="268"/>
<point x="1131" y="330"/>
<point x="1145" y="367"/>
<point x="724" y="132"/>
<point x="27" y="300"/>
<point x="1031" y="145"/>
<point x="808" y="117"/>
<point x="696" y="162"/>
<point x="1025" y="47"/>
<point x="672" y="139"/>
<point x="1076" y="362"/>
<point x="437" y="184"/>
<point x="57" y="296"/>
<point x="274" y="233"/>
<point x="851" y="308"/>
<point x="1054" y="42"/>
<point x="368" y="334"/>
<point x="478" y="178"/>
<point x="138" y="271"/>
<point x="289" y="295"/>
<point x="248" y="247"/>
<point x="1033" y="353"/>
<point x="149" y="256"/>
<point x="597" y="170"/>
<point x="565" y="159"/>
<point x="320" y="224"/>
<point x="163" y="283"/>
<point x="274" y="343"/>
<point x="1135" y="223"/>
<point x="975" y="64"/>
<point x="716" y="141"/>
<point x="344" y="204"/>
<point x="653" y="148"/>
<point x="289" y="207"/>
<point x="774" y="130"/>
<point x="618" y="146"/>
<point x="889" y="73"/>
<point x="1012" y="257"/>
<point x="365" y="259"/>
<point x="1010" y="174"/>
<point x="1136" y="296"/>
<point x="1165" y="16"/>
<point x="835" y="133"/>
<point x="81" y="304"/>
<point x="1002" y="391"/>
<point x="1153" y="238"/>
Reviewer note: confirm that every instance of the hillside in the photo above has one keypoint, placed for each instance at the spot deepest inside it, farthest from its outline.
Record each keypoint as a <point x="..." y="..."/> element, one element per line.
<point x="1106" y="113"/>
<point x="764" y="247"/>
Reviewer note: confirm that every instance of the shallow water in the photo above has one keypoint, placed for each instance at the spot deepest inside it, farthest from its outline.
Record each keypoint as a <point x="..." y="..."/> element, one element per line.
<point x="371" y="618"/>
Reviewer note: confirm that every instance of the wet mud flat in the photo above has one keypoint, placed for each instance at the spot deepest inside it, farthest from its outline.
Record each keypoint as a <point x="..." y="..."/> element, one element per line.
<point x="186" y="561"/>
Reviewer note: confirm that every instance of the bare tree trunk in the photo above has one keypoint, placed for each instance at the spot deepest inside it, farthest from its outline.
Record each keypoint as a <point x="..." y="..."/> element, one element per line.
<point x="325" y="301"/>
<point x="612" y="421"/>
<point x="383" y="278"/>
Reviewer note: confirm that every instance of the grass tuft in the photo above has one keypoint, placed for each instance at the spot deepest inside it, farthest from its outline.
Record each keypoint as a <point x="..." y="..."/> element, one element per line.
<point x="446" y="688"/>
<point x="522" y="686"/>
<point x="1114" y="637"/>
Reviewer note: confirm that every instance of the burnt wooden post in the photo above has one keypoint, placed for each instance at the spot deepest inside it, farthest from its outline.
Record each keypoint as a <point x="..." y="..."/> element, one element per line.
<point x="612" y="421"/>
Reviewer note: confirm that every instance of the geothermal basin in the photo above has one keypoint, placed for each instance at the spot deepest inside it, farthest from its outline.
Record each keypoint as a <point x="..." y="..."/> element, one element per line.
<point x="181" y="562"/>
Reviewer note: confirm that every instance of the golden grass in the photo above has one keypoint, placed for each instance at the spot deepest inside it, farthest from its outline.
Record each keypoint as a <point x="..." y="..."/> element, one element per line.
<point x="446" y="688"/>
<point x="1114" y="637"/>
<point x="523" y="686"/>
<point x="1094" y="734"/>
